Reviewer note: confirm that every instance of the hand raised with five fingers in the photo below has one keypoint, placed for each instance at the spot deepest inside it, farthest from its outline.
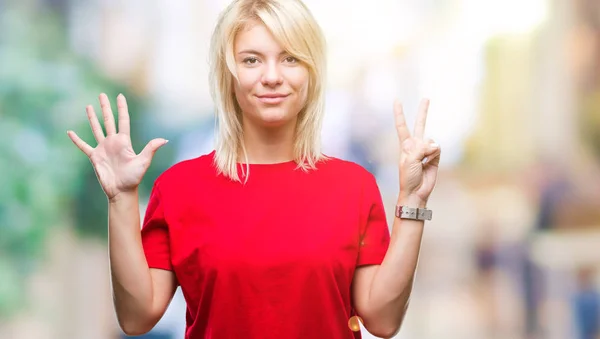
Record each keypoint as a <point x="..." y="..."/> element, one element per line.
<point x="117" y="166"/>
<point x="419" y="158"/>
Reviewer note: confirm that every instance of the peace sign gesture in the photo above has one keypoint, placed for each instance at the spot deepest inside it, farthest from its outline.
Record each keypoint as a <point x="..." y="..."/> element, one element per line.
<point x="419" y="158"/>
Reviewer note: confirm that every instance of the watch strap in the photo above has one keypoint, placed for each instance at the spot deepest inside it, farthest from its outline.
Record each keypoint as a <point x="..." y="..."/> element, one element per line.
<point x="405" y="212"/>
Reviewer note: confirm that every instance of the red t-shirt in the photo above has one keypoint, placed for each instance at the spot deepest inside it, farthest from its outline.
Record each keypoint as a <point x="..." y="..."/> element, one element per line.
<point x="272" y="258"/>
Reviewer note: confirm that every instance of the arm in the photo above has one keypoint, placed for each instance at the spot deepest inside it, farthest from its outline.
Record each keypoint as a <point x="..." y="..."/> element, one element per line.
<point x="141" y="295"/>
<point x="382" y="292"/>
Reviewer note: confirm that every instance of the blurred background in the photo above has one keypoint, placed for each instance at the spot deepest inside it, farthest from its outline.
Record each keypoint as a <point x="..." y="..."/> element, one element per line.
<point x="513" y="250"/>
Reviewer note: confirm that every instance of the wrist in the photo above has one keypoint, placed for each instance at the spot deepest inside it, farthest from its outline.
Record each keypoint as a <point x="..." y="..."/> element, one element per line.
<point x="411" y="200"/>
<point x="123" y="196"/>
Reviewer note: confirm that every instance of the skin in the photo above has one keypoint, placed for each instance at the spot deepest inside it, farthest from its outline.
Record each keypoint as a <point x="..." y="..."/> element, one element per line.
<point x="264" y="68"/>
<point x="381" y="293"/>
<point x="141" y="295"/>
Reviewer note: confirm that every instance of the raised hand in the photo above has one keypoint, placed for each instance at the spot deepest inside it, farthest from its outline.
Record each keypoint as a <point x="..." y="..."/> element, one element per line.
<point x="419" y="158"/>
<point x="117" y="166"/>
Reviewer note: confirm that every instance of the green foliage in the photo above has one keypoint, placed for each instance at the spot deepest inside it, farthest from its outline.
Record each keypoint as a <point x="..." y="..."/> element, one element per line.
<point x="46" y="182"/>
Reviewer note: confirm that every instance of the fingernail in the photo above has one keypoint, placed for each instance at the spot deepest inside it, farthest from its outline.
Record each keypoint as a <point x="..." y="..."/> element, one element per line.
<point x="120" y="95"/>
<point x="435" y="145"/>
<point x="166" y="141"/>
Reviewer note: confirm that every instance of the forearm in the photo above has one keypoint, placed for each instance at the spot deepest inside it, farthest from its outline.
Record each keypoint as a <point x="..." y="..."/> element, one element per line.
<point x="131" y="280"/>
<point x="392" y="283"/>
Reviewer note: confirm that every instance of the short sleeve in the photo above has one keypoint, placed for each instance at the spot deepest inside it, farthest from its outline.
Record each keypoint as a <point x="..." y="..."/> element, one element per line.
<point x="375" y="234"/>
<point x="155" y="233"/>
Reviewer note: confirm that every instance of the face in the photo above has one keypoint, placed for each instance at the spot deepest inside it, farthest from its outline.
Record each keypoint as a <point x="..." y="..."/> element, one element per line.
<point x="273" y="85"/>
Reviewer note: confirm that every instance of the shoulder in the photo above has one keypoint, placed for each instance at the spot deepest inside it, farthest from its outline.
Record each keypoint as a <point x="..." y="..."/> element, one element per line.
<point x="348" y="170"/>
<point x="186" y="170"/>
<point x="350" y="177"/>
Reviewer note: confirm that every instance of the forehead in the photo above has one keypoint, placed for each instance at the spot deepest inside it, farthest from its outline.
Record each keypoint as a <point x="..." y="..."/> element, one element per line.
<point x="256" y="36"/>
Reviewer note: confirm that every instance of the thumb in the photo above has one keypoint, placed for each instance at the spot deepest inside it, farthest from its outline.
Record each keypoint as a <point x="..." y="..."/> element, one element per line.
<point x="432" y="155"/>
<point x="431" y="149"/>
<point x="151" y="148"/>
<point x="417" y="151"/>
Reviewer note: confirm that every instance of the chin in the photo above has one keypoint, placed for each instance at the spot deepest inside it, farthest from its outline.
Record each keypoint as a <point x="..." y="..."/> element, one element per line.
<point x="274" y="118"/>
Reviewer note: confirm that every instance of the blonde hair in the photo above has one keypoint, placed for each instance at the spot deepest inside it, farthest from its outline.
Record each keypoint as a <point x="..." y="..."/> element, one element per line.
<point x="294" y="27"/>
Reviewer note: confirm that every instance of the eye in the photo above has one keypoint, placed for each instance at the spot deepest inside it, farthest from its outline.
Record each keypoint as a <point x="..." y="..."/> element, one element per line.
<point x="250" y="60"/>
<point x="291" y="59"/>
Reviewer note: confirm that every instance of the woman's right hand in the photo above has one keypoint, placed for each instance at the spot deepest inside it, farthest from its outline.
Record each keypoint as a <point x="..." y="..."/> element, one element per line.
<point x="117" y="167"/>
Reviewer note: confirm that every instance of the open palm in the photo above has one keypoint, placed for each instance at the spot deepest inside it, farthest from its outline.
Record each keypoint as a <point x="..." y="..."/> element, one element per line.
<point x="118" y="168"/>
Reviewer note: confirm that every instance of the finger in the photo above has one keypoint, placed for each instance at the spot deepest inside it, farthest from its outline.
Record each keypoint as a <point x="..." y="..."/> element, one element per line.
<point x="82" y="145"/>
<point x="94" y="123"/>
<point x="123" y="114"/>
<point x="109" y="119"/>
<point x="401" y="128"/>
<point x="421" y="119"/>
<point x="417" y="150"/>
<point x="151" y="148"/>
<point x="431" y="144"/>
<point x="431" y="154"/>
<point x="433" y="159"/>
<point x="430" y="150"/>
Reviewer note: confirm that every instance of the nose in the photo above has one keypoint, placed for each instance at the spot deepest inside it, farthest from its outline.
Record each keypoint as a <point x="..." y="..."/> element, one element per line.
<point x="272" y="75"/>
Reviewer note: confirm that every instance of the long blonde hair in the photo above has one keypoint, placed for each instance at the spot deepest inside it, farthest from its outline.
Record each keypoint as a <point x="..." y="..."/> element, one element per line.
<point x="294" y="27"/>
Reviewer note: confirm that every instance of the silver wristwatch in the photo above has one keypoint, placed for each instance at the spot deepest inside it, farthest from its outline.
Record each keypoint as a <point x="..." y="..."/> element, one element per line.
<point x="405" y="212"/>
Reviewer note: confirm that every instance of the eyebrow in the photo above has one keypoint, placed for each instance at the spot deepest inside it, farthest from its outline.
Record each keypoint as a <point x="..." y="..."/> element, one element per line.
<point x="252" y="51"/>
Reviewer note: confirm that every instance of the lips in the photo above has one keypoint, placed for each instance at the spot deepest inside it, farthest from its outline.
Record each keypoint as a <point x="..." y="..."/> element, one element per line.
<point x="273" y="95"/>
<point x="273" y="98"/>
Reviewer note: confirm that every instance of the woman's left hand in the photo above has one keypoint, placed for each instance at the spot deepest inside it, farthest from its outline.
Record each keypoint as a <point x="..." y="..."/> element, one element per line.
<point x="419" y="158"/>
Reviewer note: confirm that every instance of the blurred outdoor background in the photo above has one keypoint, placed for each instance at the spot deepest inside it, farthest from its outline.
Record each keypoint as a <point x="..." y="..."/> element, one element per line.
<point x="513" y="250"/>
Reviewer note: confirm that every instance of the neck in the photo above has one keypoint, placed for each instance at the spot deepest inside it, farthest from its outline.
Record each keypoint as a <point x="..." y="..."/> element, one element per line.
<point x="268" y="145"/>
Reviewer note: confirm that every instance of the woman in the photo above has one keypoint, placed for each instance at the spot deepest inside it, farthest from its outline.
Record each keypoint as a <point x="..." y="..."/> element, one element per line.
<point x="267" y="237"/>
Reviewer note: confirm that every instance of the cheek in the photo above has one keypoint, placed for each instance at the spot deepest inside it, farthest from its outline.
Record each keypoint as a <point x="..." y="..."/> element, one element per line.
<point x="247" y="80"/>
<point x="299" y="81"/>
<point x="242" y="90"/>
<point x="243" y="86"/>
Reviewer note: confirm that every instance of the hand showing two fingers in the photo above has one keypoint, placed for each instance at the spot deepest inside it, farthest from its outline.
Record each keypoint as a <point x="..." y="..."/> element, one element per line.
<point x="419" y="157"/>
